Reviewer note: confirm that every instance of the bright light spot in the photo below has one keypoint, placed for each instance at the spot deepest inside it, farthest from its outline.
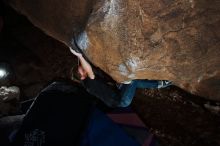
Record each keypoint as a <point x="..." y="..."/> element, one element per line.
<point x="2" y="73"/>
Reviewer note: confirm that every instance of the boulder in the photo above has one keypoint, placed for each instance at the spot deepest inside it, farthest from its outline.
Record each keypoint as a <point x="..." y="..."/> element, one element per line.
<point x="59" y="19"/>
<point x="176" y="40"/>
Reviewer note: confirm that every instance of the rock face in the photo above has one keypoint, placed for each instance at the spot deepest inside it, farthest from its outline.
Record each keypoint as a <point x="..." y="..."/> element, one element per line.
<point x="57" y="19"/>
<point x="175" y="40"/>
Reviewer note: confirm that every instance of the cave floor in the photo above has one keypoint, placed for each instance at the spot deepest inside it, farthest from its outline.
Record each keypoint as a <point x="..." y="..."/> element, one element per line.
<point x="177" y="118"/>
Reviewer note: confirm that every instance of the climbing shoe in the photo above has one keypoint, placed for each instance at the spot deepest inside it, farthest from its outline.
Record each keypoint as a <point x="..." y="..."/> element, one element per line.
<point x="163" y="84"/>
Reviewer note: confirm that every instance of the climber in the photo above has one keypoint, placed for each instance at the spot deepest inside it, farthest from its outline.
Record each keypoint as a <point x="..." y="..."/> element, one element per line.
<point x="120" y="97"/>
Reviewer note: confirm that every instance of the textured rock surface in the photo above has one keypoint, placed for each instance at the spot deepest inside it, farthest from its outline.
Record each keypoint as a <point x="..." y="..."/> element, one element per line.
<point x="56" y="18"/>
<point x="174" y="40"/>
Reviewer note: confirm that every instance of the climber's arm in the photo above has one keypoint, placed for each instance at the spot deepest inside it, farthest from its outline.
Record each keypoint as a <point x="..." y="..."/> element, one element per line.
<point x="87" y="69"/>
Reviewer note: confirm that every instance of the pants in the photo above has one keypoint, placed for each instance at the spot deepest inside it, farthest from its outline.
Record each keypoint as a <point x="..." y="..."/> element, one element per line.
<point x="128" y="90"/>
